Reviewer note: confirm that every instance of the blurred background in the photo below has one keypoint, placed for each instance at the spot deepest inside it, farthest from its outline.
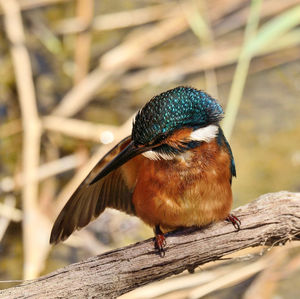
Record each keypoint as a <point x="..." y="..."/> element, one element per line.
<point x="74" y="72"/>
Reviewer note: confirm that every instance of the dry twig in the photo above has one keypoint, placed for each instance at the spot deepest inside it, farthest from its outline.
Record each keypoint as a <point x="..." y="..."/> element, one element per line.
<point x="31" y="4"/>
<point x="9" y="184"/>
<point x="83" y="40"/>
<point x="116" y="62"/>
<point x="31" y="137"/>
<point x="8" y="213"/>
<point x="80" y="128"/>
<point x="122" y="19"/>
<point x="8" y="210"/>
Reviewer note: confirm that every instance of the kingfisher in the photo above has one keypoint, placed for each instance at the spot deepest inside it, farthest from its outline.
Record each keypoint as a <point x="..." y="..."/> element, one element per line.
<point x="173" y="171"/>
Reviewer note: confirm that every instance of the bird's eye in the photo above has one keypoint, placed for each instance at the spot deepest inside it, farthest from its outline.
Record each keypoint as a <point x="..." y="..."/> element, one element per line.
<point x="160" y="138"/>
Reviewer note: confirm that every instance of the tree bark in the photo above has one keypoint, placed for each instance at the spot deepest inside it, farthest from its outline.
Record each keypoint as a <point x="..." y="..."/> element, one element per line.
<point x="271" y="219"/>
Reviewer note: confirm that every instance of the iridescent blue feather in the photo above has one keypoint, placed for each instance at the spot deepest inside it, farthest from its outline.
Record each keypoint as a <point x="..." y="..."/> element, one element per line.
<point x="173" y="109"/>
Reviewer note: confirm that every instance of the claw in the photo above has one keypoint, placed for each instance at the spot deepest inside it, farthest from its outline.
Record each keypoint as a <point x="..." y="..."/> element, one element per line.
<point x="160" y="241"/>
<point x="235" y="221"/>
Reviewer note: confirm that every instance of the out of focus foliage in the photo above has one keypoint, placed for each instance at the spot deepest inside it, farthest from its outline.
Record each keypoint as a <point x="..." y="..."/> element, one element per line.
<point x="74" y="72"/>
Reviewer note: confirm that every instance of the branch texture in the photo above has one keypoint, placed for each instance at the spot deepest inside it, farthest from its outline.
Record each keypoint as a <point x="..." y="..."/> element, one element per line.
<point x="265" y="221"/>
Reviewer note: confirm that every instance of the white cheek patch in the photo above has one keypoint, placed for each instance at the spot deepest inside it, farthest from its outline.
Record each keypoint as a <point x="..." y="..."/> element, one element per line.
<point x="205" y="134"/>
<point x="158" y="156"/>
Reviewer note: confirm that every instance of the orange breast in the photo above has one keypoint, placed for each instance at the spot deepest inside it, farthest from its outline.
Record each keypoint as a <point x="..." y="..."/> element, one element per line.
<point x="193" y="189"/>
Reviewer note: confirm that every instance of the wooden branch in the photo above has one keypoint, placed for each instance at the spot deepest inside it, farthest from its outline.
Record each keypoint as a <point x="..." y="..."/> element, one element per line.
<point x="270" y="220"/>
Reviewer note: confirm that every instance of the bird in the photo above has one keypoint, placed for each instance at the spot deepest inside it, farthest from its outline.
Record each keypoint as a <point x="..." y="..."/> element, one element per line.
<point x="174" y="171"/>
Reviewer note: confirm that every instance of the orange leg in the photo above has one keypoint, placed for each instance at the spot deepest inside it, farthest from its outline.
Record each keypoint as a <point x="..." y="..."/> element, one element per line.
<point x="236" y="222"/>
<point x="159" y="241"/>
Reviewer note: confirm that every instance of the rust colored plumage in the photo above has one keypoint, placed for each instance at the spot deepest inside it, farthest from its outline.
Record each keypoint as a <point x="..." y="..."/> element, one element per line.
<point x="174" y="170"/>
<point x="192" y="189"/>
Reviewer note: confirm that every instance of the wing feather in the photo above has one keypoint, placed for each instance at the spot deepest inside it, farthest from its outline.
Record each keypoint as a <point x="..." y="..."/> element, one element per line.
<point x="89" y="201"/>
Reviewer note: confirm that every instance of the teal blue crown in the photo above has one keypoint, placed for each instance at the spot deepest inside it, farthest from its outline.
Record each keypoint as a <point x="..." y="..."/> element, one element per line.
<point x="174" y="109"/>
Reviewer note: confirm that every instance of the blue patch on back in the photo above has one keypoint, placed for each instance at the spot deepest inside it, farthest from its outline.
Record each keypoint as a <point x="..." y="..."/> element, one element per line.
<point x="222" y="141"/>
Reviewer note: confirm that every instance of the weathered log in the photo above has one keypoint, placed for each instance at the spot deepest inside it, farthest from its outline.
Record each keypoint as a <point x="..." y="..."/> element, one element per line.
<point x="271" y="218"/>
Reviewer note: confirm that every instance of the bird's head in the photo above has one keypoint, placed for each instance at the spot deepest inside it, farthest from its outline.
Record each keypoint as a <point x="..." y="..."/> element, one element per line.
<point x="170" y="123"/>
<point x="174" y="121"/>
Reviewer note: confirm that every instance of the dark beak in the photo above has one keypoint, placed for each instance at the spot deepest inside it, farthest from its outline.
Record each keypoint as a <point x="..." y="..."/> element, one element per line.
<point x="129" y="152"/>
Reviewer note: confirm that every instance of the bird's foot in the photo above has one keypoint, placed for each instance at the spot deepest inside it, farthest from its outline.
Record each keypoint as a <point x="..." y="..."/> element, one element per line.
<point x="160" y="241"/>
<point x="235" y="221"/>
